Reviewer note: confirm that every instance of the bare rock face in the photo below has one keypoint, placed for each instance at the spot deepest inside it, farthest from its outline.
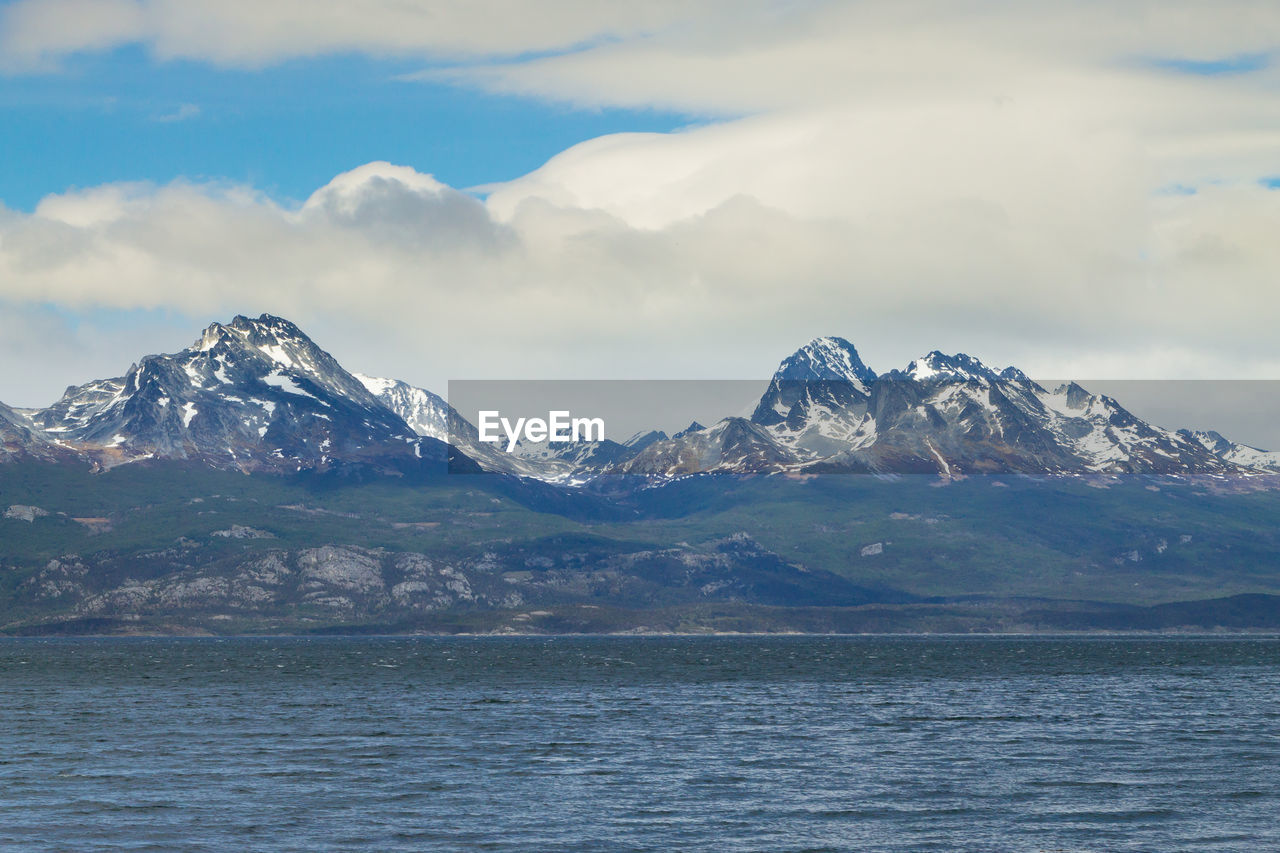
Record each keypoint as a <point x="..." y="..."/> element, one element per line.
<point x="335" y="583"/>
<point x="260" y="583"/>
<point x="239" y="531"/>
<point x="256" y="585"/>
<point x="334" y="576"/>
<point x="59" y="581"/>
<point x="344" y="581"/>
<point x="425" y="585"/>
<point x="25" y="513"/>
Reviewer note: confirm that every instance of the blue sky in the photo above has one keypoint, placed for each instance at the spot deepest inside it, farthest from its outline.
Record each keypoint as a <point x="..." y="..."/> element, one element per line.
<point x="286" y="129"/>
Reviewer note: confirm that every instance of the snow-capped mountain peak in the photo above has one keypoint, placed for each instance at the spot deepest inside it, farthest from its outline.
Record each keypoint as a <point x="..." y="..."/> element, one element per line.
<point x="250" y="393"/>
<point x="826" y="359"/>
<point x="937" y="366"/>
<point x="274" y="350"/>
<point x="826" y="373"/>
<point x="644" y="438"/>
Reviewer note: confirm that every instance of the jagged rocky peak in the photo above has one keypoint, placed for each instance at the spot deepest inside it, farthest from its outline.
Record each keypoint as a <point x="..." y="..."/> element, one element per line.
<point x="689" y="430"/>
<point x="937" y="366"/>
<point x="271" y="347"/>
<point x="826" y="373"/>
<point x="265" y="332"/>
<point x="826" y="359"/>
<point x="643" y="439"/>
<point x="249" y="394"/>
<point x="1016" y="376"/>
<point x="1074" y="395"/>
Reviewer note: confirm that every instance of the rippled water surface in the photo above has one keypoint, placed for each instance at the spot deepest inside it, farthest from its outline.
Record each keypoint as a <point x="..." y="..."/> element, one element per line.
<point x="602" y="744"/>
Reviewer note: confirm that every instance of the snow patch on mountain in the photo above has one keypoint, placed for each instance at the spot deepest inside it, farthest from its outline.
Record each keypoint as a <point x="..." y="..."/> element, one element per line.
<point x="1235" y="453"/>
<point x="426" y="413"/>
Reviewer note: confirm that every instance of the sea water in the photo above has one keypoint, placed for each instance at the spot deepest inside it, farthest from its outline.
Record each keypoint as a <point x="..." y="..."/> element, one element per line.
<point x="644" y="743"/>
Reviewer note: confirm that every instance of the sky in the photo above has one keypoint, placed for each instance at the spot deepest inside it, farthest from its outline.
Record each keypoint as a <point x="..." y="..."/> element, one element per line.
<point x="571" y="189"/>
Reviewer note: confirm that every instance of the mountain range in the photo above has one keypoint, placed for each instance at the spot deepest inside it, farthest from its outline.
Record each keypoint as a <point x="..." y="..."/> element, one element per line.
<point x="252" y="484"/>
<point x="825" y="411"/>
<point x="258" y="395"/>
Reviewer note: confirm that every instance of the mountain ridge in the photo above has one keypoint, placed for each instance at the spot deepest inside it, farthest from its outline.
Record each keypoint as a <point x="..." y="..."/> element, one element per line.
<point x="259" y="395"/>
<point x="947" y="415"/>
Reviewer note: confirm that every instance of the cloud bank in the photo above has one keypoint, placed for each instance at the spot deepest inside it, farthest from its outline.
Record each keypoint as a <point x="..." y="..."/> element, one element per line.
<point x="1080" y="189"/>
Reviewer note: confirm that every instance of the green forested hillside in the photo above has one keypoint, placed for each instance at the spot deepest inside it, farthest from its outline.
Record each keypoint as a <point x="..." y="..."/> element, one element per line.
<point x="168" y="547"/>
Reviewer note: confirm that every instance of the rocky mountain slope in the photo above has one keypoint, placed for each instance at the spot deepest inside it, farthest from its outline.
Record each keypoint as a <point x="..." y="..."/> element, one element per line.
<point x="428" y="415"/>
<point x="20" y="439"/>
<point x="353" y="582"/>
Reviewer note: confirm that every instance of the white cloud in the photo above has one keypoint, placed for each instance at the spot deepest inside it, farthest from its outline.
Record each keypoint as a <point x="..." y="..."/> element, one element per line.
<point x="255" y="33"/>
<point x="397" y="273"/>
<point x="779" y="56"/>
<point x="981" y="176"/>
